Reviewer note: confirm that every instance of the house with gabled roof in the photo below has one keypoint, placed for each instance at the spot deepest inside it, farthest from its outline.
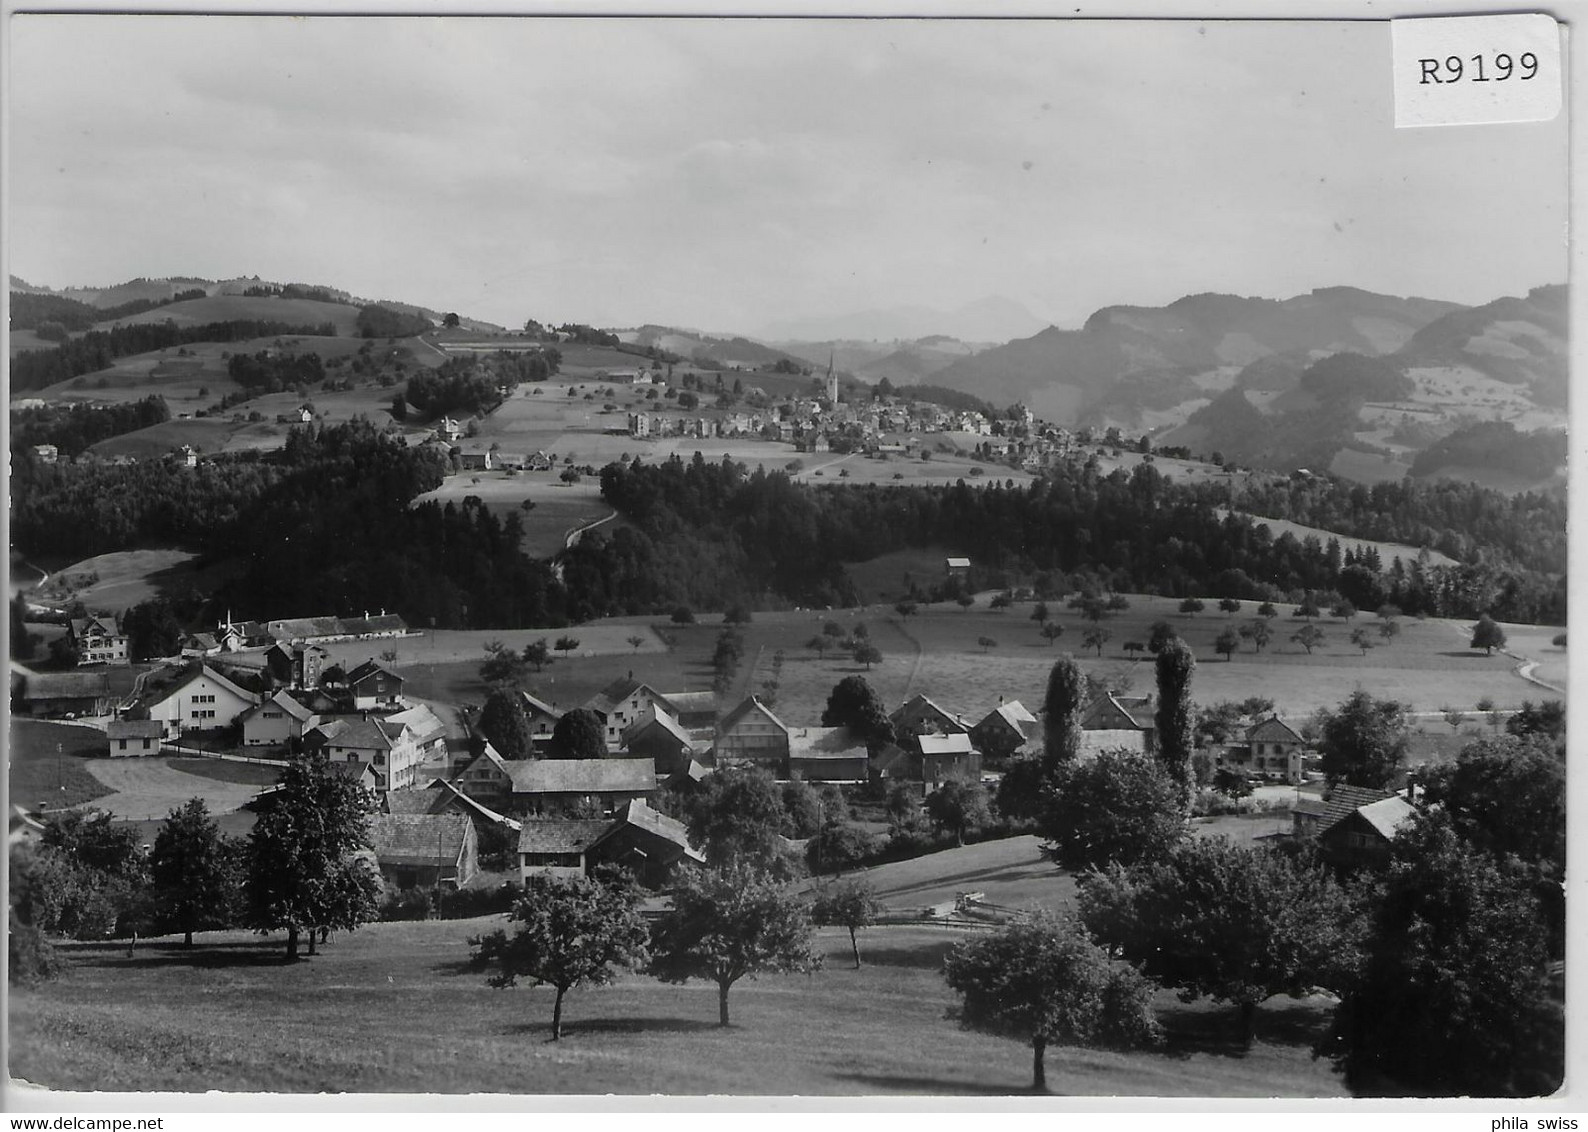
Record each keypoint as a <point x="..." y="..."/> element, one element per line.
<point x="276" y="722"/>
<point x="1004" y="730"/>
<point x="424" y="850"/>
<point x="647" y="842"/>
<point x="752" y="735"/>
<point x="1364" y="836"/>
<point x="620" y="703"/>
<point x="1111" y="722"/>
<point x="921" y="715"/>
<point x="374" y="685"/>
<point x="296" y="665"/>
<point x="658" y="736"/>
<point x="98" y="639"/>
<point x="1271" y="749"/>
<point x="557" y="846"/>
<point x="201" y="699"/>
<point x="485" y="777"/>
<point x="428" y="732"/>
<point x="948" y="758"/>
<point x="547" y="787"/>
<point x="828" y="754"/>
<point x="387" y="747"/>
<point x="1310" y="816"/>
<point x="542" y="718"/>
<point x="74" y="693"/>
<point x="134" y="737"/>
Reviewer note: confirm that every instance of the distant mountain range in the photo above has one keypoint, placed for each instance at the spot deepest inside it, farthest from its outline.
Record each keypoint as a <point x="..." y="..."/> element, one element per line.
<point x="992" y="319"/>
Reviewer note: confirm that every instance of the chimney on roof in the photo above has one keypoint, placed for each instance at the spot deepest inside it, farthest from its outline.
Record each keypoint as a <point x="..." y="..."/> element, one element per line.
<point x="1411" y="787"/>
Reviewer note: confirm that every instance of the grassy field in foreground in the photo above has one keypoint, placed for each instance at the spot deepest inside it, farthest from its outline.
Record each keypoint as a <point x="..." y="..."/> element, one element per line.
<point x="390" y="1008"/>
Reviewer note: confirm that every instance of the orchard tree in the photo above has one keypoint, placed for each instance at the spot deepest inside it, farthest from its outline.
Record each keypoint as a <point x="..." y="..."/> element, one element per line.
<point x="1389" y="630"/>
<point x="1308" y="609"/>
<point x="1363" y="742"/>
<point x="1362" y="640"/>
<point x="538" y="653"/>
<point x="1235" y="923"/>
<point x="853" y="703"/>
<point x="1309" y="637"/>
<point x="193" y="872"/>
<point x="1133" y="648"/>
<point x="1052" y="631"/>
<point x="1228" y="641"/>
<point x="1258" y="633"/>
<point x="1046" y="983"/>
<point x="1266" y="609"/>
<point x="579" y="735"/>
<point x="1487" y="635"/>
<point x="868" y="654"/>
<point x="1229" y="606"/>
<point x="1062" y="711"/>
<point x="635" y="642"/>
<point x="1159" y="636"/>
<point x="1344" y="610"/>
<point x="906" y="609"/>
<point x="1192" y="606"/>
<point x="819" y="644"/>
<point x="1119" y="806"/>
<point x="308" y="863"/>
<point x="987" y="643"/>
<point x="566" y="644"/>
<point x="965" y="601"/>
<point x="1039" y="612"/>
<point x="728" y="923"/>
<point x="1174" y="717"/>
<point x="568" y="932"/>
<point x="848" y="904"/>
<point x="739" y="818"/>
<point x="503" y="665"/>
<point x="1095" y="637"/>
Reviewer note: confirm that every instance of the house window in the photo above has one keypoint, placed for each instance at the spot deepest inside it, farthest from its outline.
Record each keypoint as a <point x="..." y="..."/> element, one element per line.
<point x="352" y="756"/>
<point x="380" y="759"/>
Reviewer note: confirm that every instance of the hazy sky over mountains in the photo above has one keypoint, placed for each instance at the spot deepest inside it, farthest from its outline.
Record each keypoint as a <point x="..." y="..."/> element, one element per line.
<point x="728" y="174"/>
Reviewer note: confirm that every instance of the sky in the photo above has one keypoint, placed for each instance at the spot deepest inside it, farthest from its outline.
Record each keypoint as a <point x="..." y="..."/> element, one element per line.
<point x="731" y="174"/>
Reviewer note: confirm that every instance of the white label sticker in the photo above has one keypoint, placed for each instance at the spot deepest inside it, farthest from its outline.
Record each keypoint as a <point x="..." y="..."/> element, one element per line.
<point x="1473" y="70"/>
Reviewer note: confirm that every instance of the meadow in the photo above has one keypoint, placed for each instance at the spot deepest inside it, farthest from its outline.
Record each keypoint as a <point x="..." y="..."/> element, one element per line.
<point x="48" y="764"/>
<point x="393" y="1008"/>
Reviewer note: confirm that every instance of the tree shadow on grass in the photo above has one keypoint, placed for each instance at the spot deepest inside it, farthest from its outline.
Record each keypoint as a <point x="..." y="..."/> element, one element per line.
<point x="925" y="957"/>
<point x="203" y="956"/>
<point x="933" y="1086"/>
<point x="1470" y="654"/>
<point x="1216" y="1029"/>
<point x="577" y="1027"/>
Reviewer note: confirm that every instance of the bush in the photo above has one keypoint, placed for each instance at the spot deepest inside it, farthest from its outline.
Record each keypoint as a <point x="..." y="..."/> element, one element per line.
<point x="31" y="957"/>
<point x="405" y="904"/>
<point x="466" y="903"/>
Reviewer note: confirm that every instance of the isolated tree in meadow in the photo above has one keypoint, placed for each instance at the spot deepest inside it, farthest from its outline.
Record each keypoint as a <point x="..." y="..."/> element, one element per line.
<point x="1119" y="806"/>
<point x="537" y="653"/>
<point x="965" y="601"/>
<point x="906" y="609"/>
<point x="1388" y="611"/>
<point x="833" y="629"/>
<point x="1389" y="630"/>
<point x="728" y="923"/>
<point x="450" y="320"/>
<point x="1266" y="609"/>
<point x="1174" y="716"/>
<point x="1227" y="642"/>
<point x="502" y="665"/>
<point x="957" y="807"/>
<point x="868" y="654"/>
<point x="1062" y="709"/>
<point x="1362" y="640"/>
<point x="1363" y="742"/>
<point x="1344" y="610"/>
<point x="1308" y="609"/>
<point x="1258" y="633"/>
<point x="737" y="614"/>
<point x="1133" y="648"/>
<point x="1192" y="606"/>
<point x="195" y="881"/>
<point x="308" y="866"/>
<point x="1229" y="606"/>
<point x="1453" y="995"/>
<point x="1116" y="603"/>
<point x="635" y="642"/>
<point x="1159" y="636"/>
<point x="848" y="904"/>
<point x="567" y="932"/>
<point x="1558" y="640"/>
<point x="579" y="735"/>
<point x="1232" y="922"/>
<point x="1309" y="637"/>
<point x="1001" y="601"/>
<point x="504" y="724"/>
<point x="1052" y="631"/>
<point x="1487" y="635"/>
<point x="987" y="643"/>
<point x="1039" y="612"/>
<point x="1095" y="637"/>
<point x="566" y="644"/>
<point x="1453" y="716"/>
<point x="820" y="644"/>
<point x="683" y="615"/>
<point x="1046" y="983"/>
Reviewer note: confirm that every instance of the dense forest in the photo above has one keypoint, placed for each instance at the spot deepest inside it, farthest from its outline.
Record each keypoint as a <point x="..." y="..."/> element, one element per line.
<point x="73" y="428"/>
<point x="267" y="372"/>
<point x="33" y="312"/>
<point x="1497" y="445"/>
<point x="327" y="525"/>
<point x="98" y="349"/>
<point x="376" y="321"/>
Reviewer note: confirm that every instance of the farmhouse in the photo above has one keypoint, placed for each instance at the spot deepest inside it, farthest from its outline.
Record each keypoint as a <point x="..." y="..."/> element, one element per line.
<point x="56" y="694"/>
<point x="750" y="735"/>
<point x="1364" y="835"/>
<point x="374" y="685"/>
<point x="296" y="665"/>
<point x="277" y="722"/>
<point x="622" y="702"/>
<point x="98" y="639"/>
<point x="658" y="736"/>
<point x="388" y="748"/>
<point x="475" y="461"/>
<point x="554" y="786"/>
<point x="557" y="846"/>
<point x="312" y="629"/>
<point x="920" y="715"/>
<point x="424" y="850"/>
<point x="1112" y="721"/>
<point x="196" y="646"/>
<point x="1271" y="750"/>
<point x="638" y="838"/>
<point x="201" y="699"/>
<point x="827" y="754"/>
<point x="1310" y="817"/>
<point x="1004" y="730"/>
<point x="542" y="718"/>
<point x="133" y="737"/>
<point x="485" y="777"/>
<point x="956" y="567"/>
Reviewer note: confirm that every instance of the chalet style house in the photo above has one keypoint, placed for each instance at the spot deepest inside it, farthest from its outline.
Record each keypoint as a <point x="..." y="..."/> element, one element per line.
<point x="98" y="639"/>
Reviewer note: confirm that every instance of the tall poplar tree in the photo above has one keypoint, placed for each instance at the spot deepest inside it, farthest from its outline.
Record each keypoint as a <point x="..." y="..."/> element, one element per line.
<point x="1061" y="738"/>
<point x="1176" y="663"/>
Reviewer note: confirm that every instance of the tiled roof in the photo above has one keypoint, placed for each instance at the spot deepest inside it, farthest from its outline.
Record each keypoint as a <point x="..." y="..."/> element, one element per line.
<point x="287" y="704"/>
<point x="945" y="744"/>
<point x="559" y="835"/>
<point x="1342" y="800"/>
<point x="582" y="776"/>
<point x="417" y="839"/>
<point x="1273" y="730"/>
<point x="359" y="734"/>
<point x="613" y="694"/>
<point x="640" y="815"/>
<point x="738" y="713"/>
<point x="370" y="668"/>
<point x="825" y="743"/>
<point x="657" y="718"/>
<point x="197" y="672"/>
<point x="134" y="729"/>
